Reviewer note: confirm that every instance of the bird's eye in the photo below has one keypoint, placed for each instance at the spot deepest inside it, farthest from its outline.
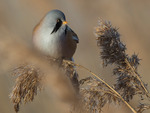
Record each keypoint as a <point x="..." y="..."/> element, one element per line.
<point x="58" y="21"/>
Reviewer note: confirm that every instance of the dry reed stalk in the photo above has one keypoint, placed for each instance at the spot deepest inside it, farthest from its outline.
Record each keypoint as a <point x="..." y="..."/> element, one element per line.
<point x="29" y="73"/>
<point x="105" y="88"/>
<point x="28" y="82"/>
<point x="113" y="51"/>
<point x="30" y="79"/>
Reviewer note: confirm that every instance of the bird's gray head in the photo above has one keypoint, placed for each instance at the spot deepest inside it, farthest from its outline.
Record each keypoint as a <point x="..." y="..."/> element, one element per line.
<point x="54" y="19"/>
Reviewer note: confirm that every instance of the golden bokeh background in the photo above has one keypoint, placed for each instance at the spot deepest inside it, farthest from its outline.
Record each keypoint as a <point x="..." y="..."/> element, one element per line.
<point x="18" y="18"/>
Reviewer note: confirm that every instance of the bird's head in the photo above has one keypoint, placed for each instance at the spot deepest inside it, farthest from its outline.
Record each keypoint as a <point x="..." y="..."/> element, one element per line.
<point x="54" y="19"/>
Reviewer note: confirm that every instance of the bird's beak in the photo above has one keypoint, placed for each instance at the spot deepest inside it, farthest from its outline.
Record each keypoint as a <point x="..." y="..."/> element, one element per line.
<point x="64" y="22"/>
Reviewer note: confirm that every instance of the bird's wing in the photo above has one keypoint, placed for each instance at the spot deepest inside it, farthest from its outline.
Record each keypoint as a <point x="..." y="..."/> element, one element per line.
<point x="74" y="35"/>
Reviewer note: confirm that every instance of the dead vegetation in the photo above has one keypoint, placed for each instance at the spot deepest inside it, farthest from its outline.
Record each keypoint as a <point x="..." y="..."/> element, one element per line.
<point x="92" y="93"/>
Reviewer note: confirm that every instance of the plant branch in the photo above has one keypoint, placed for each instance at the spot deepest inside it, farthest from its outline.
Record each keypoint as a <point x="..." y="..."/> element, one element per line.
<point x="80" y="66"/>
<point x="136" y="74"/>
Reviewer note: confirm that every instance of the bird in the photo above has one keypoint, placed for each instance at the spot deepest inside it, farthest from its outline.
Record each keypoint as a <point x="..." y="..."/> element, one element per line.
<point x="53" y="37"/>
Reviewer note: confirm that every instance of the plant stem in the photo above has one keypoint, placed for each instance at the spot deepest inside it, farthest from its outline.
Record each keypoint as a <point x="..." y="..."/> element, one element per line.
<point x="78" y="65"/>
<point x="136" y="74"/>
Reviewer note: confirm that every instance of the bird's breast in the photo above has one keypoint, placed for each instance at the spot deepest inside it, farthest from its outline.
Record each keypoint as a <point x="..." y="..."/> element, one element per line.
<point x="57" y="45"/>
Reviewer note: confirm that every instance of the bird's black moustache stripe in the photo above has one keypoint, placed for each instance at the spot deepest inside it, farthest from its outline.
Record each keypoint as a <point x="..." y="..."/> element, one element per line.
<point x="57" y="26"/>
<point x="66" y="30"/>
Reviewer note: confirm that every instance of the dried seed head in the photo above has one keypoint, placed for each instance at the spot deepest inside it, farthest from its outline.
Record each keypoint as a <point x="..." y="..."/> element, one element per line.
<point x="95" y="95"/>
<point x="28" y="82"/>
<point x="113" y="51"/>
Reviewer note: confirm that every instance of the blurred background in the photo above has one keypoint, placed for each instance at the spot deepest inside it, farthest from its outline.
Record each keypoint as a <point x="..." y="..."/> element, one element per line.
<point x="19" y="17"/>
